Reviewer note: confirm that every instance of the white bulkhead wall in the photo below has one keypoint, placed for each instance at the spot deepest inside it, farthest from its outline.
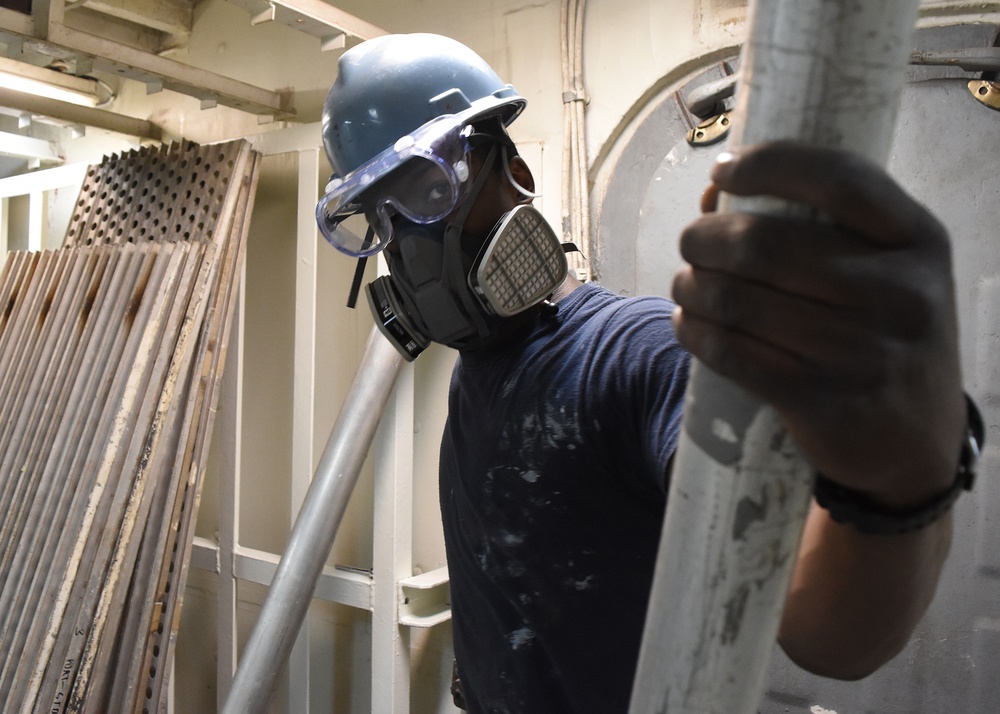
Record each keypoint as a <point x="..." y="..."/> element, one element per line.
<point x="629" y="46"/>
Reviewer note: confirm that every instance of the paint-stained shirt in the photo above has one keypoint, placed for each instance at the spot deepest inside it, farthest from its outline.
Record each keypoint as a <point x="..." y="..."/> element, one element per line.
<point x="554" y="465"/>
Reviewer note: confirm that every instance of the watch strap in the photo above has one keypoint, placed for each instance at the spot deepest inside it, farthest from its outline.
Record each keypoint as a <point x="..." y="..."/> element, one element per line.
<point x="848" y="505"/>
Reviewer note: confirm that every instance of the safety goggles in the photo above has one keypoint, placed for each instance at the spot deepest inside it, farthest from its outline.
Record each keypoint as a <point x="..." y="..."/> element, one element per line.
<point x="423" y="177"/>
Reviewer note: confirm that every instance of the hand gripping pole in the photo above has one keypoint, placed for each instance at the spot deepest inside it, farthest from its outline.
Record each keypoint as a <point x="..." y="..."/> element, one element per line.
<point x="827" y="73"/>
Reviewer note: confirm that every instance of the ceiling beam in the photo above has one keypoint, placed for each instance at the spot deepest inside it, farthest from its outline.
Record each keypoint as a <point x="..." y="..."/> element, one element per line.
<point x="49" y="35"/>
<point x="75" y="114"/>
<point x="27" y="147"/>
<point x="333" y="27"/>
<point x="170" y="16"/>
<point x="16" y="22"/>
<point x="46" y="31"/>
<point x="157" y="71"/>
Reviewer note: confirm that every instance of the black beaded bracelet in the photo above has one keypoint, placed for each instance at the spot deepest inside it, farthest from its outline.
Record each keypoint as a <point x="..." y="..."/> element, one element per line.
<point x="847" y="505"/>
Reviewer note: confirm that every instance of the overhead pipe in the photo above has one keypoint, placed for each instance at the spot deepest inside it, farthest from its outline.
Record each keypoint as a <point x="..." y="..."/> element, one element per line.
<point x="284" y="610"/>
<point x="575" y="193"/>
<point x="76" y="114"/>
<point x="822" y="72"/>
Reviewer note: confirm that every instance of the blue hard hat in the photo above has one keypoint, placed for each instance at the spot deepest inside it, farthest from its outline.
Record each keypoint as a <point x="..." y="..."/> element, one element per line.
<point x="390" y="86"/>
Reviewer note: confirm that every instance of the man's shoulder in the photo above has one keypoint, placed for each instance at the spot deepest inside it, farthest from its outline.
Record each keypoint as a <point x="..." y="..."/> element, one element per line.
<point x="593" y="299"/>
<point x="610" y="334"/>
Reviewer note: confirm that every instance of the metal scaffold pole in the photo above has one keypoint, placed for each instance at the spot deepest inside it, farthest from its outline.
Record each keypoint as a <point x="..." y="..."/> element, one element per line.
<point x="826" y="73"/>
<point x="287" y="602"/>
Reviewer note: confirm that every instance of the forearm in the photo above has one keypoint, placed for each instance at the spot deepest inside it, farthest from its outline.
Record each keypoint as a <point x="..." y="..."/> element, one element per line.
<point x="848" y="328"/>
<point x="854" y="599"/>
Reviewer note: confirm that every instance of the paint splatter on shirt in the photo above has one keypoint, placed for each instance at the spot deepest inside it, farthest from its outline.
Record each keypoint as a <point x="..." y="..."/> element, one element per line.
<point x="553" y="480"/>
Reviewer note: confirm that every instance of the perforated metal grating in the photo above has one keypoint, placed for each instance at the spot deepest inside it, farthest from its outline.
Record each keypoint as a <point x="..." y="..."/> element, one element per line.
<point x="171" y="192"/>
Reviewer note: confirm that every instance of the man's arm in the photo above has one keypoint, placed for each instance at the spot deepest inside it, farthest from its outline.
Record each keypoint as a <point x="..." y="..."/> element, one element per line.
<point x="847" y="327"/>
<point x="855" y="599"/>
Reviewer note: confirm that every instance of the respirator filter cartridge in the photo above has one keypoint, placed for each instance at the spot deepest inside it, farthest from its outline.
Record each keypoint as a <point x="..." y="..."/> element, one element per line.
<point x="521" y="265"/>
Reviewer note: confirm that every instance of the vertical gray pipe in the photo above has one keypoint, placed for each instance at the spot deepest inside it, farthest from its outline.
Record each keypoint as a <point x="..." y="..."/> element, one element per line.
<point x="822" y="72"/>
<point x="266" y="653"/>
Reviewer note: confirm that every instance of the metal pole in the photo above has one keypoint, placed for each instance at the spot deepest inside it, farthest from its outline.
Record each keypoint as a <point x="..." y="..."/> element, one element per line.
<point x="822" y="72"/>
<point x="287" y="601"/>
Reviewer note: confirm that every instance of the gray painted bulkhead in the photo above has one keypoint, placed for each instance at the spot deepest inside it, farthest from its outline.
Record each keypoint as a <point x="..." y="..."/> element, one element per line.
<point x="945" y="152"/>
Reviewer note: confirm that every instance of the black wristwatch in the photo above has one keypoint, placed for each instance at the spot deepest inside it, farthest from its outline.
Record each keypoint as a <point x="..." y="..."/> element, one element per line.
<point x="847" y="505"/>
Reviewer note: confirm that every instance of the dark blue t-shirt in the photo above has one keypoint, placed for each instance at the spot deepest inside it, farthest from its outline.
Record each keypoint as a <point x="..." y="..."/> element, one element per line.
<point x="553" y="476"/>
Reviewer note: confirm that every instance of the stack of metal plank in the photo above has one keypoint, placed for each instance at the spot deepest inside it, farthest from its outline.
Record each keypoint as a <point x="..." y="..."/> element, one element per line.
<point x="111" y="349"/>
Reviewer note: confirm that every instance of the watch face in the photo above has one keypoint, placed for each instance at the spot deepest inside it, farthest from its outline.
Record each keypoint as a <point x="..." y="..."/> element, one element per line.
<point x="972" y="447"/>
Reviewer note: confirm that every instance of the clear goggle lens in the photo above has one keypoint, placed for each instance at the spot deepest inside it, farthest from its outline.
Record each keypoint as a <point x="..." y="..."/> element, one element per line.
<point x="423" y="177"/>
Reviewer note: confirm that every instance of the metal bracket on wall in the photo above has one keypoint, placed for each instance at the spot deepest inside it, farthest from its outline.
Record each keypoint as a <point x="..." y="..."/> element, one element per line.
<point x="986" y="92"/>
<point x="425" y="599"/>
<point x="710" y="104"/>
<point x="334" y="28"/>
<point x="710" y="131"/>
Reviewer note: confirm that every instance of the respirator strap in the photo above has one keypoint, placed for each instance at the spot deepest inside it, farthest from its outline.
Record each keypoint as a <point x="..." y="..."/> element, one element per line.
<point x="359" y="270"/>
<point x="453" y="268"/>
<point x="510" y="177"/>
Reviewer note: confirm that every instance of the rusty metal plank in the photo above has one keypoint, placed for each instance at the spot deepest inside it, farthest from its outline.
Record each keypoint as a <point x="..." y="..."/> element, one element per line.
<point x="145" y="343"/>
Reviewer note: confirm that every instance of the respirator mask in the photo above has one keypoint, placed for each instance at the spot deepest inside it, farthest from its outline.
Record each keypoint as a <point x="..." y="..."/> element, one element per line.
<point x="443" y="285"/>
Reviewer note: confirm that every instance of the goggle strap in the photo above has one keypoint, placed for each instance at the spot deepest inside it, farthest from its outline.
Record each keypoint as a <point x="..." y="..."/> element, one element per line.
<point x="359" y="270"/>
